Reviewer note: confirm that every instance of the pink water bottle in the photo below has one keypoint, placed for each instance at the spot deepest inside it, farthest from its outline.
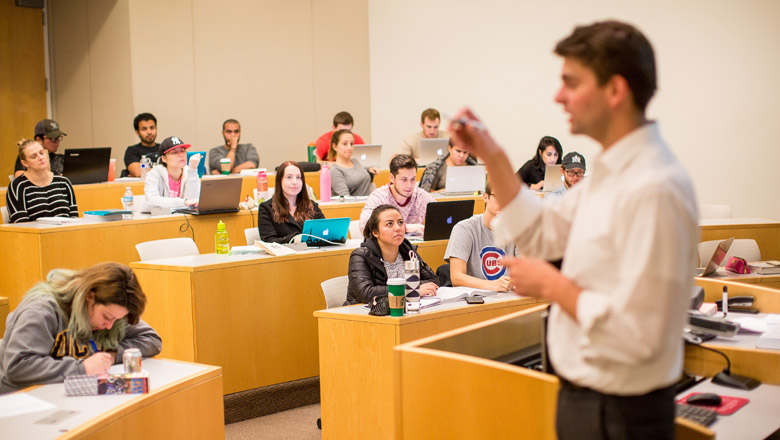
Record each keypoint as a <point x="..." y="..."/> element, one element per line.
<point x="325" y="183"/>
<point x="262" y="181"/>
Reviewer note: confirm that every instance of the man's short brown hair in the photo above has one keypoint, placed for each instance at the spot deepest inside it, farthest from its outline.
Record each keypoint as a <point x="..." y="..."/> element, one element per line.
<point x="342" y="118"/>
<point x="430" y="113"/>
<point x="613" y="48"/>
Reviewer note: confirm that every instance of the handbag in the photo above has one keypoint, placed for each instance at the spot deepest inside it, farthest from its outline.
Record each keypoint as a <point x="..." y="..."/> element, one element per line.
<point x="737" y="265"/>
<point x="380" y="306"/>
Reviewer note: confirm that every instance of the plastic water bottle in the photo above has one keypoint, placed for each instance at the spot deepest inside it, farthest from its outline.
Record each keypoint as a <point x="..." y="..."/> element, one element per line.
<point x="324" y="183"/>
<point x="127" y="203"/>
<point x="146" y="163"/>
<point x="222" y="242"/>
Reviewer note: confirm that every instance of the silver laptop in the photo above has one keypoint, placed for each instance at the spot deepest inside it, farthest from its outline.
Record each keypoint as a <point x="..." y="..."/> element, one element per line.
<point x="466" y="179"/>
<point x="217" y="195"/>
<point x="369" y="155"/>
<point x="717" y="257"/>
<point x="432" y="149"/>
<point x="553" y="179"/>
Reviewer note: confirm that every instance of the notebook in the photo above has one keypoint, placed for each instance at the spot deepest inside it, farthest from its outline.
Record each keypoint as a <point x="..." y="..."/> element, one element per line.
<point x="553" y="179"/>
<point x="369" y="155"/>
<point x="217" y="195"/>
<point x="466" y="179"/>
<point x="716" y="259"/>
<point x="334" y="230"/>
<point x="87" y="165"/>
<point x="441" y="217"/>
<point x="431" y="149"/>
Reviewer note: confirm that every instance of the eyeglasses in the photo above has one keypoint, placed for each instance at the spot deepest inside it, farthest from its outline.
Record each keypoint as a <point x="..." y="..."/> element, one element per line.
<point x="572" y="173"/>
<point x="57" y="139"/>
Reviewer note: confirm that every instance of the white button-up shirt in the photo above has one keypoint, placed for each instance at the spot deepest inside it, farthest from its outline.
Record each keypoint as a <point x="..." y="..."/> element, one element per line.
<point x="628" y="236"/>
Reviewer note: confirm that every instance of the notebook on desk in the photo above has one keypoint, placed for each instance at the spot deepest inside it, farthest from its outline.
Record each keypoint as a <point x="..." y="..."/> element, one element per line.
<point x="86" y="165"/>
<point x="465" y="180"/>
<point x="441" y="217"/>
<point x="432" y="149"/>
<point x="325" y="232"/>
<point x="369" y="155"/>
<point x="217" y="196"/>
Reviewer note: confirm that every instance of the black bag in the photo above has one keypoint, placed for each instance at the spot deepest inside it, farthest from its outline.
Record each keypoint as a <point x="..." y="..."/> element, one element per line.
<point x="379" y="306"/>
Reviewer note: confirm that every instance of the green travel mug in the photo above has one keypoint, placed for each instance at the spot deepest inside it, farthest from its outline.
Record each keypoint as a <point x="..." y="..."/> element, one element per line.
<point x="396" y="292"/>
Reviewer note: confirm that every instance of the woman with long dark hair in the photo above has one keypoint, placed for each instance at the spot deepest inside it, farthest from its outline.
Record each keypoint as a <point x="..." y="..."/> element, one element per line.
<point x="280" y="219"/>
<point x="549" y="152"/>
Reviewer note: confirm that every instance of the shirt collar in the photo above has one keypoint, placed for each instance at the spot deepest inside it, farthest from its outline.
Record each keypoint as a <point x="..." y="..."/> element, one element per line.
<point x="624" y="151"/>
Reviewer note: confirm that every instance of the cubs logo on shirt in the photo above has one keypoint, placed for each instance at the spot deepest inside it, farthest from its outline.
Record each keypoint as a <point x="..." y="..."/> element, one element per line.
<point x="492" y="262"/>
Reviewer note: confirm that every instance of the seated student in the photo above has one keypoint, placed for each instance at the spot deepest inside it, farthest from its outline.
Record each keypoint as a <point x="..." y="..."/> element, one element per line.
<point x="475" y="260"/>
<point x="347" y="175"/>
<point x="280" y="219"/>
<point x="49" y="135"/>
<point x="173" y="185"/>
<point x="430" y="121"/>
<point x="38" y="192"/>
<point x="145" y="125"/>
<point x="435" y="176"/>
<point x="342" y="121"/>
<point x="572" y="170"/>
<point x="242" y="156"/>
<point x="381" y="256"/>
<point x="401" y="192"/>
<point x="75" y="323"/>
<point x="548" y="152"/>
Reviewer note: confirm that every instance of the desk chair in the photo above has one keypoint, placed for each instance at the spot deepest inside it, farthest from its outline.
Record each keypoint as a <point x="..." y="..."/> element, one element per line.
<point x="251" y="235"/>
<point x="354" y="230"/>
<point x="746" y="248"/>
<point x="4" y="210"/>
<point x="167" y="248"/>
<point x="714" y="211"/>
<point x="335" y="291"/>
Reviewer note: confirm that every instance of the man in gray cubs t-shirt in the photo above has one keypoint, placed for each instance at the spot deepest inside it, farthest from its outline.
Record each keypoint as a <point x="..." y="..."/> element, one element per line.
<point x="475" y="261"/>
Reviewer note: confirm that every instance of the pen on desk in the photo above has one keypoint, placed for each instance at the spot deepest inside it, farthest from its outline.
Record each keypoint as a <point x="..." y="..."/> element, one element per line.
<point x="725" y="301"/>
<point x="94" y="346"/>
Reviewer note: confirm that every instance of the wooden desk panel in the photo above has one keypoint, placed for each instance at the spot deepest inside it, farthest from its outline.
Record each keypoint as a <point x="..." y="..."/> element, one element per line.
<point x="4" y="311"/>
<point x="766" y="233"/>
<point x="357" y="374"/>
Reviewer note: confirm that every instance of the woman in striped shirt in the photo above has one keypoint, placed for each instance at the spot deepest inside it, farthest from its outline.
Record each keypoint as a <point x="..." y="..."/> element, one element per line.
<point x="38" y="192"/>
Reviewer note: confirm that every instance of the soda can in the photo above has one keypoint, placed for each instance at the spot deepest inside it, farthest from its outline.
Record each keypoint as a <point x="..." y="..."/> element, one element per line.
<point x="132" y="360"/>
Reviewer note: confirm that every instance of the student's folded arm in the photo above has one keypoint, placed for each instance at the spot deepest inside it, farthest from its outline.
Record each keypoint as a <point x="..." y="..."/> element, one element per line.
<point x="656" y="249"/>
<point x="142" y="337"/>
<point x="361" y="284"/>
<point x="27" y="360"/>
<point x="252" y="156"/>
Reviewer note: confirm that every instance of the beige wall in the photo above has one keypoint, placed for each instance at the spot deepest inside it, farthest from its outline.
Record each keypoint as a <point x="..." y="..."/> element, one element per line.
<point x="718" y="102"/>
<point x="195" y="63"/>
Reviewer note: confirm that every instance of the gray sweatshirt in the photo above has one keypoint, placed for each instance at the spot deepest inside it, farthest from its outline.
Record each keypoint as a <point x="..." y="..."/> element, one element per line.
<point x="37" y="349"/>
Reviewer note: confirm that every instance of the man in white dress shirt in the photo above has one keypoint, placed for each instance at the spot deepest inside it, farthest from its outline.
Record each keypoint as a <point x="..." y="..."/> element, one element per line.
<point x="627" y="236"/>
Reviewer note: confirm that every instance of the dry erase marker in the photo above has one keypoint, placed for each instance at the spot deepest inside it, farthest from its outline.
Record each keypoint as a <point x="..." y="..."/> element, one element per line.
<point x="463" y="121"/>
<point x="725" y="301"/>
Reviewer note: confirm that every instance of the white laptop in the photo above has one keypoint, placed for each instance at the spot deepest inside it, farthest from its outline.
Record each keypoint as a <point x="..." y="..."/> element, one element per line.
<point x="553" y="179"/>
<point x="369" y="155"/>
<point x="432" y="149"/>
<point x="466" y="179"/>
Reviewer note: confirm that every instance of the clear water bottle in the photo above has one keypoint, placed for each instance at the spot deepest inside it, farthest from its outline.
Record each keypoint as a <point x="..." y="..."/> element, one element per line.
<point x="324" y="183"/>
<point x="222" y="243"/>
<point x="146" y="164"/>
<point x="127" y="203"/>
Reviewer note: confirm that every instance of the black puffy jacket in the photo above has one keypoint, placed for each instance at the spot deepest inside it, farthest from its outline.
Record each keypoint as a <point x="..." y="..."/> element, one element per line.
<point x="367" y="276"/>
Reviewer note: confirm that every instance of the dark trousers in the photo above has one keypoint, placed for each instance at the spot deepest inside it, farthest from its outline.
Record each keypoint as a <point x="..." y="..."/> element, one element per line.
<point x="587" y="414"/>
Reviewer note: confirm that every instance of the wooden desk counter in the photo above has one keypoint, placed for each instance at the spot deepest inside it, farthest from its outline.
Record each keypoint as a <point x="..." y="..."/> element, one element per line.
<point x="766" y="232"/>
<point x="4" y="311"/>
<point x="40" y="248"/>
<point x="358" y="379"/>
<point x="184" y="402"/>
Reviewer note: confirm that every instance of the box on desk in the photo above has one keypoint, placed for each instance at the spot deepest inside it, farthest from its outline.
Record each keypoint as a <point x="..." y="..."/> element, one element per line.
<point x="136" y="383"/>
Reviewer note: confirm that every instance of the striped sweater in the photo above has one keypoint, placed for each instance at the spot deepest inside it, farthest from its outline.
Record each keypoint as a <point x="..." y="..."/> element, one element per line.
<point x="27" y="202"/>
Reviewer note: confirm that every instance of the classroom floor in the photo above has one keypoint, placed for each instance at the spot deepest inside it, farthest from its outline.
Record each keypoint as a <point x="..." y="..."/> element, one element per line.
<point x="295" y="424"/>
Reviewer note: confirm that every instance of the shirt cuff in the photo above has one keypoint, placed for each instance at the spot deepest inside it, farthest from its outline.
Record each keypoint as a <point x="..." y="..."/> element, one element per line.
<point x="516" y="217"/>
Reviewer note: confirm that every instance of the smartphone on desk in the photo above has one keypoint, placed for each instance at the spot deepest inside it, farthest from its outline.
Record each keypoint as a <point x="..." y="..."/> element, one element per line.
<point x="475" y="300"/>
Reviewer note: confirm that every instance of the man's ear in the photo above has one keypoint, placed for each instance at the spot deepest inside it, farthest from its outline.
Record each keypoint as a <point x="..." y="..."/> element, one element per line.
<point x="618" y="91"/>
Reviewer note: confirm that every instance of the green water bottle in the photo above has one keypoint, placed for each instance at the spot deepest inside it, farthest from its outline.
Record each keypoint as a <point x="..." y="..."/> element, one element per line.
<point x="222" y="243"/>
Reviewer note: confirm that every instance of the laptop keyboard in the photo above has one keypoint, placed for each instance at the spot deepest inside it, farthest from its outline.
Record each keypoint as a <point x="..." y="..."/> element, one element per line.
<point x="702" y="416"/>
